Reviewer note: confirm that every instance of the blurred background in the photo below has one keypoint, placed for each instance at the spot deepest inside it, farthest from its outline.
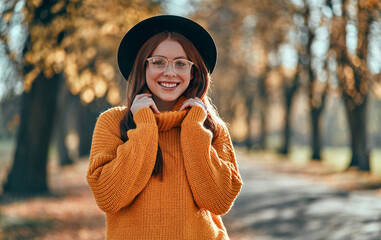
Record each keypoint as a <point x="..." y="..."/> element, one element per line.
<point x="299" y="78"/>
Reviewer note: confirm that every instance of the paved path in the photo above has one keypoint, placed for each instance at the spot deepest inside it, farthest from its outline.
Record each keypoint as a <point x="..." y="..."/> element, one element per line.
<point x="283" y="206"/>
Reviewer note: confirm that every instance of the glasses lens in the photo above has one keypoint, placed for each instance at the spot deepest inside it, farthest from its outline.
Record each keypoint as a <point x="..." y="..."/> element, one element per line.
<point x="181" y="66"/>
<point x="159" y="63"/>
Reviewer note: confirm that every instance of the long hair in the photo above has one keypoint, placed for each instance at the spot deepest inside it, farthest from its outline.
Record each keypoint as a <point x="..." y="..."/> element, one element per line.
<point x="198" y="87"/>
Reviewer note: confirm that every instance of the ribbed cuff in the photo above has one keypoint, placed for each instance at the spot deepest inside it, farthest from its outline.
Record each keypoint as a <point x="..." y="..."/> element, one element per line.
<point x="196" y="114"/>
<point x="144" y="115"/>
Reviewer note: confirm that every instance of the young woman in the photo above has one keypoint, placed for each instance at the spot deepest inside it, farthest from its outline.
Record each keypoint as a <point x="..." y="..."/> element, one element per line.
<point x="163" y="166"/>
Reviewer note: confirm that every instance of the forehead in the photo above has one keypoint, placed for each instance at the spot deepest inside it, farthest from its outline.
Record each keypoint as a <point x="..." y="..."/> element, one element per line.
<point x="170" y="49"/>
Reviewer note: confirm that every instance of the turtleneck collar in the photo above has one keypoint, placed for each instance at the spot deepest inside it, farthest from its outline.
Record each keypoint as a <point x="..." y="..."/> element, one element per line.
<point x="171" y="119"/>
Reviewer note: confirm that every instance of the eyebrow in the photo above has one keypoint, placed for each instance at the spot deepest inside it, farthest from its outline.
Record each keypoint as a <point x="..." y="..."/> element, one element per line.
<point x="180" y="57"/>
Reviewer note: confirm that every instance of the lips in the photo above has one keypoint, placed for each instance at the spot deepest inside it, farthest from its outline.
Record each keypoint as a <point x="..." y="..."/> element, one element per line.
<point x="169" y="84"/>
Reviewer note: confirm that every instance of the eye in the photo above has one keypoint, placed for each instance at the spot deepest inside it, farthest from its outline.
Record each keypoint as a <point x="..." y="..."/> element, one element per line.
<point x="181" y="63"/>
<point x="158" y="62"/>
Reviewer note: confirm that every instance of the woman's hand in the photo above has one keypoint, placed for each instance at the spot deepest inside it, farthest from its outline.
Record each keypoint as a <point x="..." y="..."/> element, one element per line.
<point x="142" y="101"/>
<point x="193" y="102"/>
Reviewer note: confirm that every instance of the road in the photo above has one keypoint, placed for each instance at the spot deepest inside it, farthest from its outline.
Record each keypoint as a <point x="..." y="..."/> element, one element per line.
<point x="275" y="205"/>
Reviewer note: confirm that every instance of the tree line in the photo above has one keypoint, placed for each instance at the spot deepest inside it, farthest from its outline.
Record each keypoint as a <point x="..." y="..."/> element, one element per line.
<point x="322" y="59"/>
<point x="267" y="50"/>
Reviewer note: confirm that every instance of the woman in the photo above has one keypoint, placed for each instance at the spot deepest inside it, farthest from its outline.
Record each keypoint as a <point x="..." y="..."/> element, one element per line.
<point x="163" y="166"/>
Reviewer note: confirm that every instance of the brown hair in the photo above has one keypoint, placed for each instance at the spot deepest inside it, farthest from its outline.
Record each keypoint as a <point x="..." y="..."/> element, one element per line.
<point x="198" y="87"/>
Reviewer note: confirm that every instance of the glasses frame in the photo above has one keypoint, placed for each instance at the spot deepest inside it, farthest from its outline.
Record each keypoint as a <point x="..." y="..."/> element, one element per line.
<point x="150" y="59"/>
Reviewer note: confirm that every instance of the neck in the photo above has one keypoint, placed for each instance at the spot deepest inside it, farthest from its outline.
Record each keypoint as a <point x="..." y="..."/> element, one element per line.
<point x="163" y="105"/>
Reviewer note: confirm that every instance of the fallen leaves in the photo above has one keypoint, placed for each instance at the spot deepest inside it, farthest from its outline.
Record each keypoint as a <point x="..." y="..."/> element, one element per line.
<point x="69" y="212"/>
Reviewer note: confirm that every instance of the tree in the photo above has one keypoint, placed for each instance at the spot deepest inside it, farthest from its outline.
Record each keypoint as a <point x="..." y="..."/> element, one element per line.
<point x="317" y="88"/>
<point x="71" y="40"/>
<point x="245" y="42"/>
<point x="353" y="73"/>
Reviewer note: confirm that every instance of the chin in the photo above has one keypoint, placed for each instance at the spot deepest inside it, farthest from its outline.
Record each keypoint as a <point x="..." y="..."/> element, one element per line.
<point x="170" y="99"/>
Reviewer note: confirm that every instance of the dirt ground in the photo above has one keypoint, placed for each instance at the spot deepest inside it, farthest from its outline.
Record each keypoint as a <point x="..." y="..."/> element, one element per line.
<point x="278" y="199"/>
<point x="69" y="212"/>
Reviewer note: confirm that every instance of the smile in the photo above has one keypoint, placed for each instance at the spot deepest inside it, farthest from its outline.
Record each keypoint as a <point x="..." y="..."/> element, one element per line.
<point x="168" y="84"/>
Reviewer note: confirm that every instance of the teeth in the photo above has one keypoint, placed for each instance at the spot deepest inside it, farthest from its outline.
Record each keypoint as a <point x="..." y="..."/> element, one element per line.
<point x="168" y="85"/>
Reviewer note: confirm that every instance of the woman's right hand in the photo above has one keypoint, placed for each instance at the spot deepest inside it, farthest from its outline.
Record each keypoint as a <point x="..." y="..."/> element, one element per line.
<point x="142" y="101"/>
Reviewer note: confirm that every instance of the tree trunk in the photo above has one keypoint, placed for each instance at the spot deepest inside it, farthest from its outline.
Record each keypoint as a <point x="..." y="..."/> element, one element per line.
<point x="289" y="92"/>
<point x="263" y="112"/>
<point x="316" y="145"/>
<point x="28" y="174"/>
<point x="63" y="151"/>
<point x="357" y="124"/>
<point x="249" y="105"/>
<point x="287" y="125"/>
<point x="87" y="118"/>
<point x="263" y="134"/>
<point x="63" y="116"/>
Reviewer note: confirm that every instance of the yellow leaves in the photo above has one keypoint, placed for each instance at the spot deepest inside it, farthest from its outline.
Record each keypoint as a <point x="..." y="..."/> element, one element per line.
<point x="57" y="7"/>
<point x="71" y="73"/>
<point x="98" y="90"/>
<point x="348" y="72"/>
<point x="55" y="60"/>
<point x="82" y="43"/>
<point x="113" y="96"/>
<point x="87" y="95"/>
<point x="364" y="87"/>
<point x="289" y="72"/>
<point x="369" y="3"/>
<point x="86" y="77"/>
<point x="90" y="52"/>
<point x="106" y="70"/>
<point x="349" y="81"/>
<point x="316" y="101"/>
<point x="100" y="87"/>
<point x="356" y="61"/>
<point x="318" y="89"/>
<point x="358" y="99"/>
<point x="48" y="72"/>
<point x="274" y="80"/>
<point x="35" y="3"/>
<point x="29" y="78"/>
<point x="8" y="16"/>
<point x="377" y="89"/>
<point x="109" y="28"/>
<point x="70" y="8"/>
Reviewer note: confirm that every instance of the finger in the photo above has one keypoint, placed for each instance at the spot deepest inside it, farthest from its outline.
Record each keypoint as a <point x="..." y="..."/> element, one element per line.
<point x="141" y="99"/>
<point x="185" y="105"/>
<point x="143" y="95"/>
<point x="198" y="100"/>
<point x="154" y="108"/>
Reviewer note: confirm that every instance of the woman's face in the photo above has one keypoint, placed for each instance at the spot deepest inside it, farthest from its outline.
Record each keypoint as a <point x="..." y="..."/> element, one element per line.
<point x="167" y="86"/>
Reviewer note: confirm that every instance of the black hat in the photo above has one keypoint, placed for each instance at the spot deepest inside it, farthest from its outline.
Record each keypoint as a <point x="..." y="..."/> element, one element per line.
<point x="142" y="31"/>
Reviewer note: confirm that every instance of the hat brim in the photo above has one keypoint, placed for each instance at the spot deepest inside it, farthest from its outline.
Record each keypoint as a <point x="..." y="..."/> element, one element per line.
<point x="142" y="31"/>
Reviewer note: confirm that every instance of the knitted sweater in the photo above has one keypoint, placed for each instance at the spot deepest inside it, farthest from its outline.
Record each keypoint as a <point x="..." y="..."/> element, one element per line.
<point x="200" y="179"/>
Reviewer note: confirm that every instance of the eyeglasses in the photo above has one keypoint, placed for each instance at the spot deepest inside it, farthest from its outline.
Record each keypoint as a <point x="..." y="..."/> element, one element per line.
<point x="180" y="66"/>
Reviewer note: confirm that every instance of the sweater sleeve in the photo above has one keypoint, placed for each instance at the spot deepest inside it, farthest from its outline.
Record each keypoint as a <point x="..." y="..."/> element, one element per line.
<point x="211" y="169"/>
<point x="118" y="170"/>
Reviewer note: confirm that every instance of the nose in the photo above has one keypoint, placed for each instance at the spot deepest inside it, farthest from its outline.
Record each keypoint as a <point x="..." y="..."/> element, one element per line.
<point x="169" y="71"/>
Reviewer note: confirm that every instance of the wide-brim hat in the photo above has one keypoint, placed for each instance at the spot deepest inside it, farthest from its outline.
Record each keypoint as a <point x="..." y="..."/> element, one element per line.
<point x="142" y="31"/>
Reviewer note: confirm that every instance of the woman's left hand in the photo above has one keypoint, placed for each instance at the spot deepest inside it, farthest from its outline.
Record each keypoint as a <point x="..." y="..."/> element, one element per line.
<point x="193" y="102"/>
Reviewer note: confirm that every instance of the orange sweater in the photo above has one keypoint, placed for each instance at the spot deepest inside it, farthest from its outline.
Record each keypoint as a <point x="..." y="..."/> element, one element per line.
<point x="200" y="179"/>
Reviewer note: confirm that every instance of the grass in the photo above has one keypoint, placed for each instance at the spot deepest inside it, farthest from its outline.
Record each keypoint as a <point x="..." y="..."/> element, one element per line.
<point x="336" y="158"/>
<point x="6" y="154"/>
<point x="6" y="149"/>
<point x="375" y="161"/>
<point x="300" y="154"/>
